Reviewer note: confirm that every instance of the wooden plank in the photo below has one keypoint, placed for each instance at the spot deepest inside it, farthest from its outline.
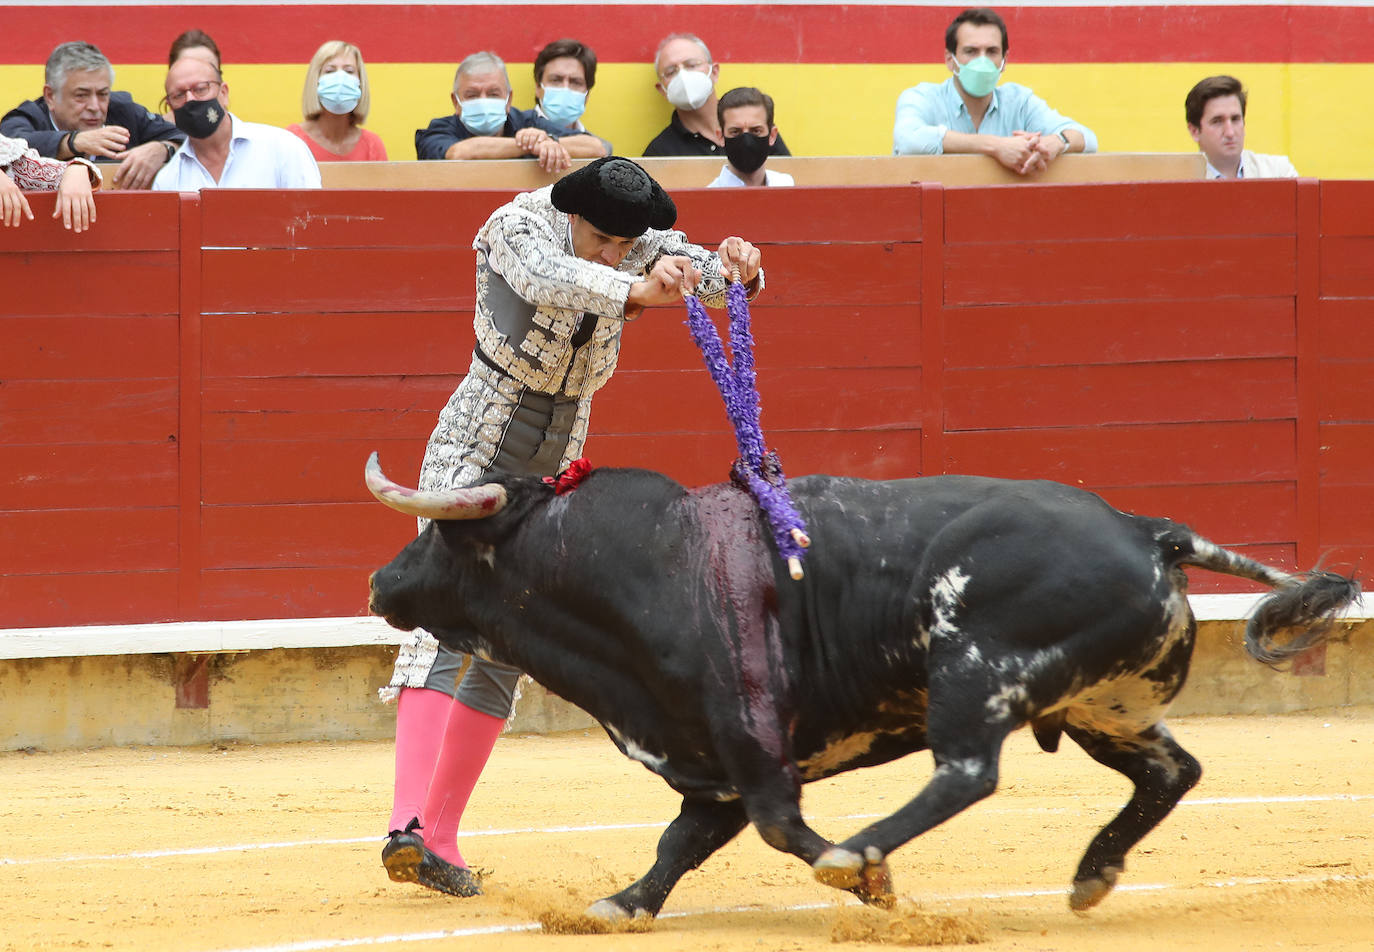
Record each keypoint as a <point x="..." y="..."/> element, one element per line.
<point x="190" y="423"/>
<point x="88" y="476"/>
<point x="882" y="273"/>
<point x="96" y="598"/>
<point x="1170" y="392"/>
<point x="790" y="398"/>
<point x="88" y="411"/>
<point x="306" y="408"/>
<point x="1347" y="267"/>
<point x="1131" y="455"/>
<point x="1347" y="514"/>
<point x="110" y="282"/>
<point x="129" y="223"/>
<point x="1155" y="269"/>
<point x="1091" y="332"/>
<point x="1142" y="210"/>
<point x="299" y="218"/>
<point x="1309" y="370"/>
<point x="801" y="214"/>
<point x="39" y="541"/>
<point x="250" y="281"/>
<point x="1347" y="453"/>
<point x="1344" y="329"/>
<point x="328" y="468"/>
<point x="368" y="344"/>
<point x="230" y="594"/>
<point x="88" y="347"/>
<point x="1344" y="391"/>
<point x="1347" y="208"/>
<point x="327" y="535"/>
<point x="1227" y="513"/>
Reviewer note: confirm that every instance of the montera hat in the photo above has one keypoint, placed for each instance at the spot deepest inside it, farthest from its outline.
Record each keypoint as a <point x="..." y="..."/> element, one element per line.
<point x="615" y="196"/>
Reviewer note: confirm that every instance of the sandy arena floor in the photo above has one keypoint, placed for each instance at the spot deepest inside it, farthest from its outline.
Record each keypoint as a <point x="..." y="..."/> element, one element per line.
<point x="277" y="848"/>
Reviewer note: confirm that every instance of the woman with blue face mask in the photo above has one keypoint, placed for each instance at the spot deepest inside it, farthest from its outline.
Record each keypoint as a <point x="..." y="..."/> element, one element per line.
<point x="335" y="103"/>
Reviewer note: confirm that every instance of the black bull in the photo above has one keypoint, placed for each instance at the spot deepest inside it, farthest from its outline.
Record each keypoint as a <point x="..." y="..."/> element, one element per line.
<point x="940" y="613"/>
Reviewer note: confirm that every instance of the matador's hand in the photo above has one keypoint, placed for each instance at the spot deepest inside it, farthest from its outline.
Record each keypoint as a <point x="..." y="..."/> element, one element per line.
<point x="738" y="253"/>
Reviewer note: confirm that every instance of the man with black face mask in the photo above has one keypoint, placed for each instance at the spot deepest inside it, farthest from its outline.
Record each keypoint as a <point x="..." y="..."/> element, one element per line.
<point x="222" y="150"/>
<point x="746" y="120"/>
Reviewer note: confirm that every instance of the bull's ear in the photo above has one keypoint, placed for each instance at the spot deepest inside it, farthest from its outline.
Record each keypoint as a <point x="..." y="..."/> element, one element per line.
<point x="474" y="502"/>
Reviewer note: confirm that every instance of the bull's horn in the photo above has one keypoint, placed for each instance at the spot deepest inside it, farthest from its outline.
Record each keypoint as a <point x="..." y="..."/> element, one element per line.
<point x="474" y="502"/>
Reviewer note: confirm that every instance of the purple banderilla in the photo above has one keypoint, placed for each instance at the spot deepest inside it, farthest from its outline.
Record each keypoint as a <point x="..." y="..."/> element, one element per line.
<point x="757" y="470"/>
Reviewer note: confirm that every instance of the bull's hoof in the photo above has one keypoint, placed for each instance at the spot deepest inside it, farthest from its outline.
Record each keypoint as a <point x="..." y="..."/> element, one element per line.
<point x="1089" y="892"/>
<point x="608" y="910"/>
<point x="865" y="876"/>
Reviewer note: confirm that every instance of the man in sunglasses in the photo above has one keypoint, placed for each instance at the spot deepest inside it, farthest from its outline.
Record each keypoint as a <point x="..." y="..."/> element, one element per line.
<point x="222" y="150"/>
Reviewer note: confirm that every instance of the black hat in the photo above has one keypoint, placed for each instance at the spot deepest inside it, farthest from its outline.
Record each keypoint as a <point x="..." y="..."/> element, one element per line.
<point x="616" y="196"/>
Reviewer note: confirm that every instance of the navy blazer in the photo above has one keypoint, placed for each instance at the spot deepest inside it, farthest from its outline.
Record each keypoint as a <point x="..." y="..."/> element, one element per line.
<point x="32" y="122"/>
<point x="434" y="140"/>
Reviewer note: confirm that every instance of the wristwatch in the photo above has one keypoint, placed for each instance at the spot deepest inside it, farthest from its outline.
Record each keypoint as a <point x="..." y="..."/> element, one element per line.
<point x="1064" y="137"/>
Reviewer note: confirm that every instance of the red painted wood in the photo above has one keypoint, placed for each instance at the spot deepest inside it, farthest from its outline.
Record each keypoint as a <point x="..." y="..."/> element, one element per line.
<point x="934" y="330"/>
<point x="1345" y="209"/>
<point x="1202" y="582"/>
<point x="302" y="345"/>
<point x="189" y="411"/>
<point x="1347" y="453"/>
<point x="1139" y="211"/>
<point x="1345" y="330"/>
<point x="277" y="408"/>
<point x="313" y="592"/>
<point x="108" y="597"/>
<point x="328" y="468"/>
<point x="757" y="33"/>
<point x="88" y="476"/>
<point x="1158" y="269"/>
<point x="825" y="217"/>
<point x="1130" y="455"/>
<point x="295" y="536"/>
<point x="139" y="282"/>
<point x="1347" y="266"/>
<point x="1347" y="514"/>
<point x="39" y="541"/>
<point x="1167" y="392"/>
<point x="88" y="411"/>
<point x="129" y="222"/>
<point x="87" y="347"/>
<point x="1122" y="332"/>
<point x="1226" y="513"/>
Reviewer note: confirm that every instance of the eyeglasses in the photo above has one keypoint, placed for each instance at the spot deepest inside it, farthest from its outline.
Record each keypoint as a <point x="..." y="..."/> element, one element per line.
<point x="199" y="91"/>
<point x="692" y="64"/>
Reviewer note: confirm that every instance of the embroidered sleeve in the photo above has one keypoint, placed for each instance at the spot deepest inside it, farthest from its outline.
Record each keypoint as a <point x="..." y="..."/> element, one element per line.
<point x="711" y="290"/>
<point x="35" y="173"/>
<point x="524" y="251"/>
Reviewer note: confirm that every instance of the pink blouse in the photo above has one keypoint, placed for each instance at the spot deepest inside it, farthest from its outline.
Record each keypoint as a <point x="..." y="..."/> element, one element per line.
<point x="368" y="149"/>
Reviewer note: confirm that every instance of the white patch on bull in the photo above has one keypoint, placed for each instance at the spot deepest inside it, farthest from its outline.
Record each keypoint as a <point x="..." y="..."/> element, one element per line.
<point x="836" y="754"/>
<point x="654" y="762"/>
<point x="1008" y="703"/>
<point x="946" y="597"/>
<point x="487" y="554"/>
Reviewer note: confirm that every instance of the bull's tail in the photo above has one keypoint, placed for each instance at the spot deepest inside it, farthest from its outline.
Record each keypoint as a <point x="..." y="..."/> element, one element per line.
<point x="1302" y="608"/>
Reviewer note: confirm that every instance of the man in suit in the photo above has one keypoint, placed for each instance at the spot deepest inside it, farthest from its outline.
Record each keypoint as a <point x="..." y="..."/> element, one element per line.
<point x="79" y="116"/>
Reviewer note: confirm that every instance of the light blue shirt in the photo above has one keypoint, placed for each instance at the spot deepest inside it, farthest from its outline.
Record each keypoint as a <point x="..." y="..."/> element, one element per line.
<point x="260" y="156"/>
<point x="927" y="111"/>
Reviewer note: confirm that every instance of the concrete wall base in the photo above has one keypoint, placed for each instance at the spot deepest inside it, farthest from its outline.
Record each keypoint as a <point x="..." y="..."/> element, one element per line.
<point x="311" y="694"/>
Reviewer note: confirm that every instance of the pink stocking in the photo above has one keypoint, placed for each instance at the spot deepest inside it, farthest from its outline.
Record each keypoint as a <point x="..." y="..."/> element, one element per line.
<point x="468" y="741"/>
<point x="421" y="717"/>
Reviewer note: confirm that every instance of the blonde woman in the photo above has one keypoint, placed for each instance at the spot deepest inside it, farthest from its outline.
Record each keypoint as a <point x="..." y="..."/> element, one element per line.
<point x="335" y="103"/>
<point x="23" y="169"/>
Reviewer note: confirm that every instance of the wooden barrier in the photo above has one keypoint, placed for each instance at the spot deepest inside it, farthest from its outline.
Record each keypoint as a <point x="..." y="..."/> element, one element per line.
<point x="188" y="391"/>
<point x="524" y="174"/>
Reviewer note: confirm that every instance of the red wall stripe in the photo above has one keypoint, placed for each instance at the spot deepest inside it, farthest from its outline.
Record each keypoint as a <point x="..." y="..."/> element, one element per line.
<point x="768" y="33"/>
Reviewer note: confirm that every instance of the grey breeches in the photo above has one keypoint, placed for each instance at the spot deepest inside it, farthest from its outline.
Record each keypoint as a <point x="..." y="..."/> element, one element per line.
<point x="488" y="687"/>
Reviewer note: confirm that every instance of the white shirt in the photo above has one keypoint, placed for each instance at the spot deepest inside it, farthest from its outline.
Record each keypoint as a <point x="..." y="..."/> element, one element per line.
<point x="1257" y="165"/>
<point x="728" y="179"/>
<point x="260" y="156"/>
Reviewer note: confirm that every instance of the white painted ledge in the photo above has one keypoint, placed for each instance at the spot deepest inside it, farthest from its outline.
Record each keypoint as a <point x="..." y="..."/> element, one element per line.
<point x="206" y="637"/>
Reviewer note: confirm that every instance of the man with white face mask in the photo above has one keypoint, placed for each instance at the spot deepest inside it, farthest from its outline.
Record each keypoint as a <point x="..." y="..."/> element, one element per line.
<point x="970" y="112"/>
<point x="687" y="79"/>
<point x="564" y="74"/>
<point x="484" y="125"/>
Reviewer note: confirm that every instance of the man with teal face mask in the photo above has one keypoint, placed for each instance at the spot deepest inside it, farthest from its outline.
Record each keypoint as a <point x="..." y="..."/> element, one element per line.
<point x="564" y="74"/>
<point x="484" y="125"/>
<point x="971" y="113"/>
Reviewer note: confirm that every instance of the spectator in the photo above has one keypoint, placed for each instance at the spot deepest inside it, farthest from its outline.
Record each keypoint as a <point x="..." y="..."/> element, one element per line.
<point x="1215" y="110"/>
<point x="22" y="168"/>
<point x="687" y="79"/>
<point x="221" y="149"/>
<point x="194" y="43"/>
<point x="335" y="104"/>
<point x="485" y="126"/>
<point x="564" y="74"/>
<point x="79" y="116"/>
<point x="746" y="120"/>
<point x="968" y="113"/>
